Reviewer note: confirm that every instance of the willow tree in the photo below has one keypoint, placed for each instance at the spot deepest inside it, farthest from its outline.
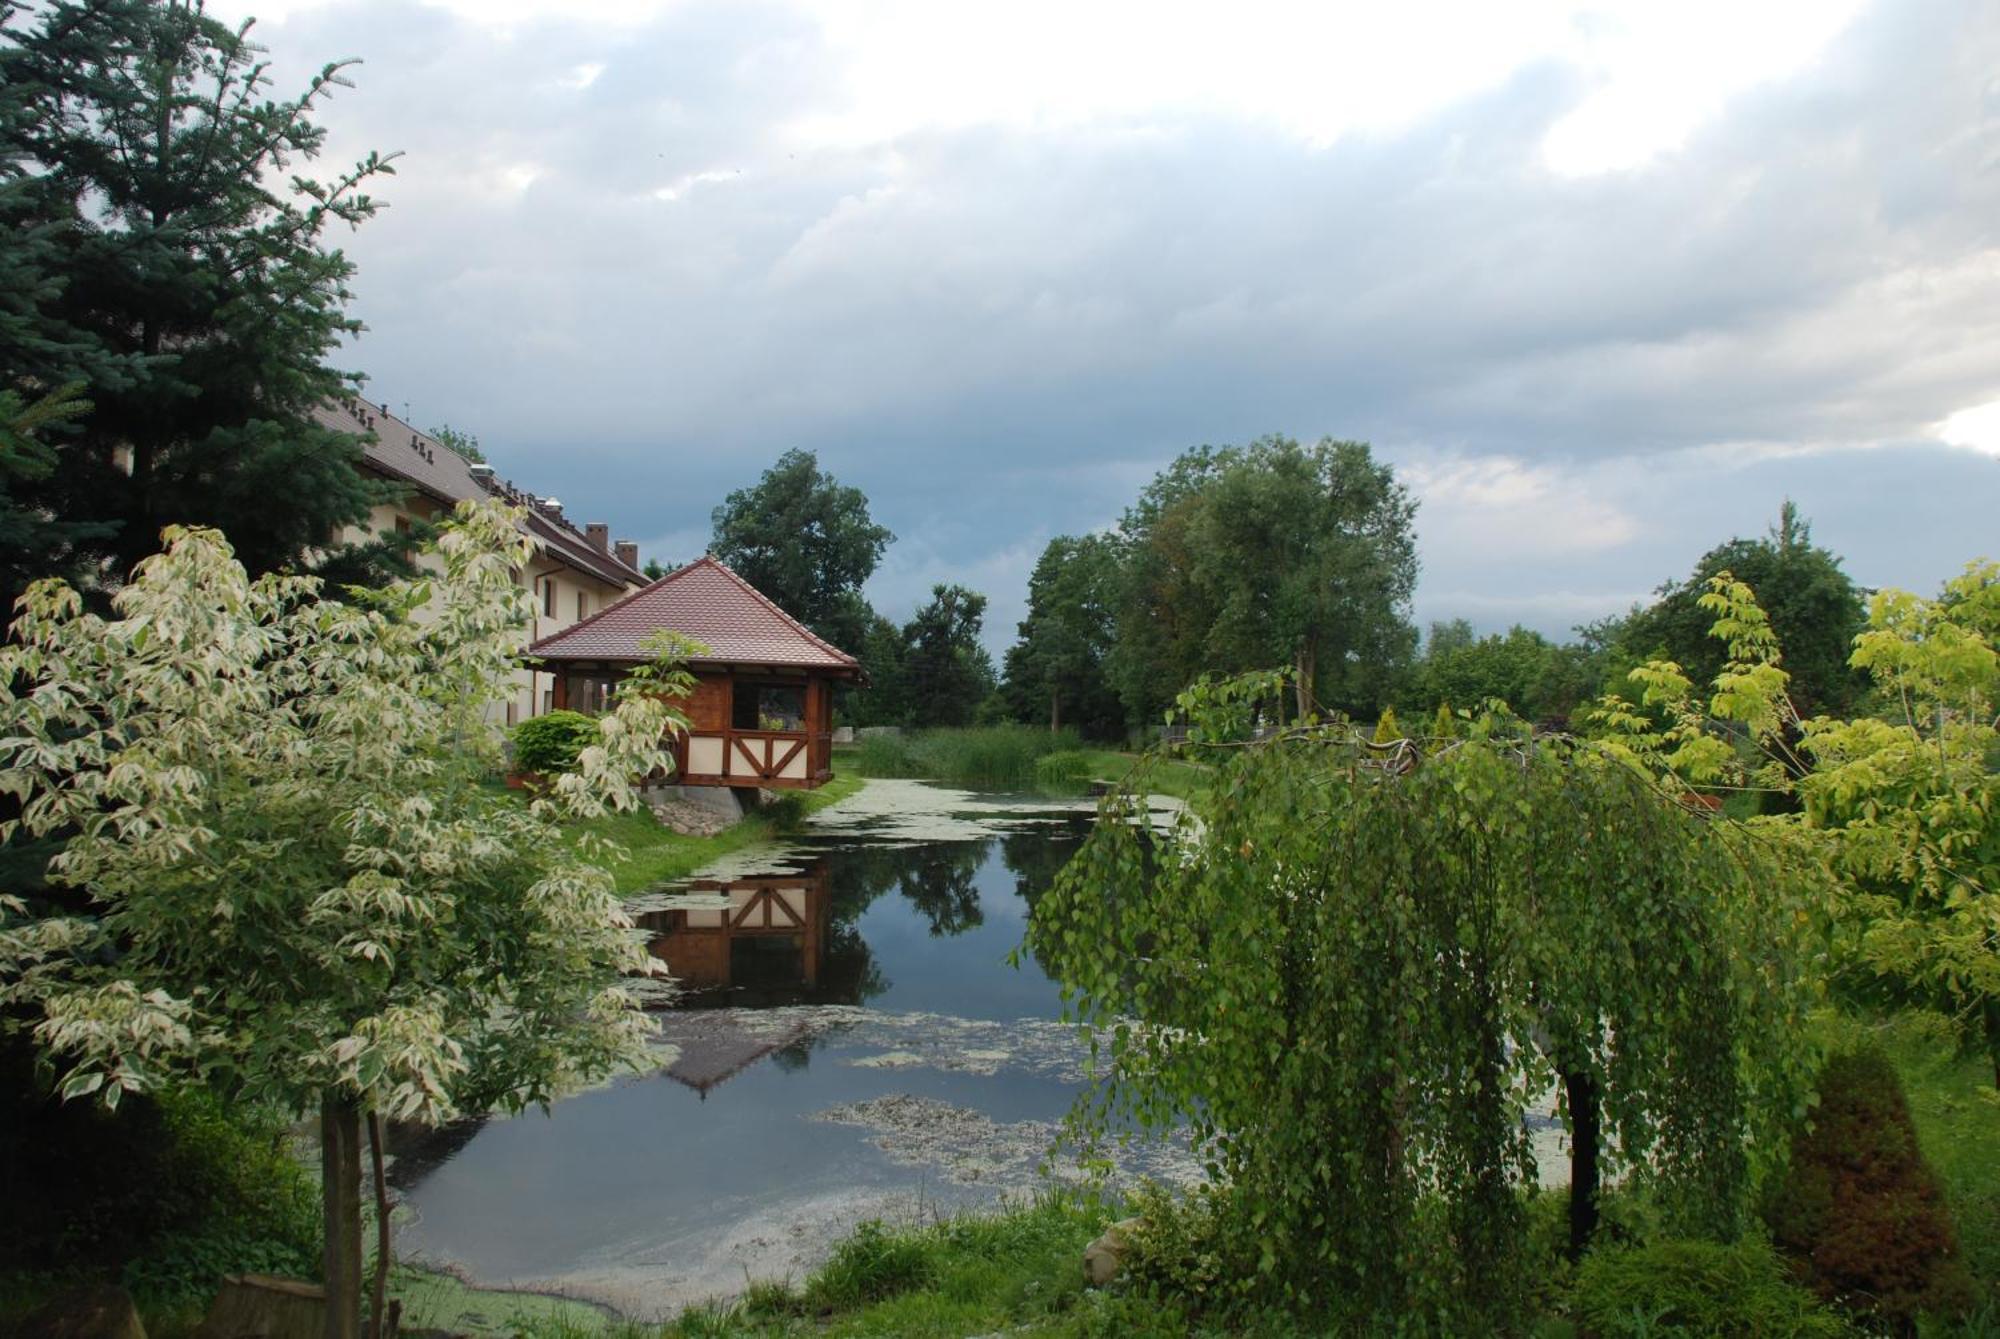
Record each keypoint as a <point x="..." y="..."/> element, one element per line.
<point x="299" y="890"/>
<point x="1357" y="969"/>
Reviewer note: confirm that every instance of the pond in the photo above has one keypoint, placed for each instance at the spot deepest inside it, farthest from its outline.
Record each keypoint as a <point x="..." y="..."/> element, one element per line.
<point x="848" y="1042"/>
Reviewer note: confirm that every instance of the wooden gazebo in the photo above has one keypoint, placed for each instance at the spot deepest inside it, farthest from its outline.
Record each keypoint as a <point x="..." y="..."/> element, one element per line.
<point x="761" y="713"/>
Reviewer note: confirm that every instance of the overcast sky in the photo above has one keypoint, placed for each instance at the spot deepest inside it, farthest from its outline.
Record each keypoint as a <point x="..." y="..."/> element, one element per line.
<point x="1604" y="282"/>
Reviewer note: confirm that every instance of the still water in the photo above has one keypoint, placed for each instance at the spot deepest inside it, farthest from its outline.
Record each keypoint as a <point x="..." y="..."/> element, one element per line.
<point x="849" y="1041"/>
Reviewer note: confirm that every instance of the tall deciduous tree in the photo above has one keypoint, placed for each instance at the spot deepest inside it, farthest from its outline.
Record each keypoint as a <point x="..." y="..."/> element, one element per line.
<point x="946" y="672"/>
<point x="177" y="270"/>
<point x="1271" y="554"/>
<point x="1814" y="607"/>
<point x="301" y="892"/>
<point x="805" y="540"/>
<point x="1056" y="669"/>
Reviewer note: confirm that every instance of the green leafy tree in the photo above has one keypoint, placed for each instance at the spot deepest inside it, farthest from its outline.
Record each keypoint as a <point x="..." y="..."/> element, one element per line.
<point x="884" y="656"/>
<point x="805" y="540"/>
<point x="1057" y="668"/>
<point x="1537" y="678"/>
<point x="1907" y="799"/>
<point x="1813" y="606"/>
<point x="464" y="443"/>
<point x="1270" y="554"/>
<point x="300" y="891"/>
<point x="947" y="674"/>
<point x="1354" y="967"/>
<point x="173" y="264"/>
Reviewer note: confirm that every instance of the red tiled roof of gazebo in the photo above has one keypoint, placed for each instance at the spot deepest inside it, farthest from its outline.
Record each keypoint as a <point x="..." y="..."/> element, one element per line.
<point x="705" y="601"/>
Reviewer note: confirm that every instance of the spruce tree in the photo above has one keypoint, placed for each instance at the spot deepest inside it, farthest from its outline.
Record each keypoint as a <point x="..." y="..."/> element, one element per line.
<point x="157" y="250"/>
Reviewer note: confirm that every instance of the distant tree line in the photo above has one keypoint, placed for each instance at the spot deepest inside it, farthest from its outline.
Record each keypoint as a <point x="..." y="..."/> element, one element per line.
<point x="1237" y="558"/>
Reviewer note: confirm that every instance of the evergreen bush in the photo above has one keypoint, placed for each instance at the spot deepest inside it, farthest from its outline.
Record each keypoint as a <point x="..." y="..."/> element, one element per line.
<point x="551" y="743"/>
<point x="1861" y="1211"/>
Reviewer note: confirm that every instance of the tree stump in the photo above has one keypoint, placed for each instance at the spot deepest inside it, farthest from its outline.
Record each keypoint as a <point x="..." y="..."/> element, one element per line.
<point x="259" y="1306"/>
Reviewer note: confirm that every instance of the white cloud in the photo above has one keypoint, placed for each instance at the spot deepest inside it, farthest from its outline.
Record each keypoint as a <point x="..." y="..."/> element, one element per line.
<point x="1976" y="428"/>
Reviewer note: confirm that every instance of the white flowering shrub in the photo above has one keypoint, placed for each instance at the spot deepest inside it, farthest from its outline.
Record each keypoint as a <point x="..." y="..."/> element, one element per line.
<point x="302" y="887"/>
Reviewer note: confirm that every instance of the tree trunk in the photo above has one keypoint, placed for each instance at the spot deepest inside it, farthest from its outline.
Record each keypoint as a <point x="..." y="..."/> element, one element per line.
<point x="380" y="1326"/>
<point x="1302" y="689"/>
<point x="1581" y="1091"/>
<point x="340" y="1184"/>
<point x="1055" y="711"/>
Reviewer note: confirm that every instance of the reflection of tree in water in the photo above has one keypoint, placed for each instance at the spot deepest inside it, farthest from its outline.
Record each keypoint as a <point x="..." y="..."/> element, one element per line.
<point x="939" y="884"/>
<point x="1034" y="859"/>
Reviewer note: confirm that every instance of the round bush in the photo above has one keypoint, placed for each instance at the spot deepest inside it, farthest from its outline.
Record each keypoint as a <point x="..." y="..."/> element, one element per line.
<point x="552" y="742"/>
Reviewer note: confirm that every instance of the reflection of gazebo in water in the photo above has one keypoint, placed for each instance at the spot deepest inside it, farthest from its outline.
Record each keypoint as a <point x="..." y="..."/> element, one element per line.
<point x="762" y="941"/>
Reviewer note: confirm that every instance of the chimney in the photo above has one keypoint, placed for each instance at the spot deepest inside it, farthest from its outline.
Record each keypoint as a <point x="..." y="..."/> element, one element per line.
<point x="599" y="535"/>
<point x="628" y="553"/>
<point x="552" y="506"/>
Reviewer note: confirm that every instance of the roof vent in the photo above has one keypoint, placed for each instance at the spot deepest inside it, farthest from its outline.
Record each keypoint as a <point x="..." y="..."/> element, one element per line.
<point x="553" y="506"/>
<point x="482" y="473"/>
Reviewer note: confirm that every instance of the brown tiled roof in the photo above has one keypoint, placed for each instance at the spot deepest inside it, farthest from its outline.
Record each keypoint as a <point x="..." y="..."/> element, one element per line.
<point x="398" y="451"/>
<point x="705" y="601"/>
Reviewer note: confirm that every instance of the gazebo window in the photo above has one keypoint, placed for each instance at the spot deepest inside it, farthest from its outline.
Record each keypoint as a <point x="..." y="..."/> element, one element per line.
<point x="768" y="706"/>
<point x="590" y="693"/>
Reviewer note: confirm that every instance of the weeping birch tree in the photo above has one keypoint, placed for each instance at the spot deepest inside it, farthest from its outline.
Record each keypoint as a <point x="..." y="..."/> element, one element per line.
<point x="1358" y="968"/>
<point x="298" y="889"/>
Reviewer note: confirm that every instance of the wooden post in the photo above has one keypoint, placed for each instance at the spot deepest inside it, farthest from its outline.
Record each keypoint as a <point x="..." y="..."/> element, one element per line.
<point x="340" y="1184"/>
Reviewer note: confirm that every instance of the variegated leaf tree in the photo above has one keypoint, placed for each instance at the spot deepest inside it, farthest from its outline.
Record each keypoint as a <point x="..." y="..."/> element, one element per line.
<point x="300" y="888"/>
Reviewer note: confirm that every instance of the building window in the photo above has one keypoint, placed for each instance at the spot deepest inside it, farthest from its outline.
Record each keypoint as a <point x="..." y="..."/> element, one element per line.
<point x="768" y="706"/>
<point x="582" y="605"/>
<point x="402" y="525"/>
<point x="548" y="700"/>
<point x="591" y="693"/>
<point x="549" y="596"/>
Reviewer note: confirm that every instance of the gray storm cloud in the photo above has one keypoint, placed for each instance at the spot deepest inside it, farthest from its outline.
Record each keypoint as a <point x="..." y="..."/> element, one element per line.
<point x="610" y="254"/>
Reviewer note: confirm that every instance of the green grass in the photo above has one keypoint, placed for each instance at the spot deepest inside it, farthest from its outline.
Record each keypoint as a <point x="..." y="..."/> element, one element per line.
<point x="656" y="854"/>
<point x="1019" y="1271"/>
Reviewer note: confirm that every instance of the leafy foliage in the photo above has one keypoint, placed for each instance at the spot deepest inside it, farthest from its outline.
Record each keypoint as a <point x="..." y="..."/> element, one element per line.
<point x="1860" y="1210"/>
<point x="1908" y="800"/>
<point x="1355" y="967"/>
<point x="1243" y="557"/>
<point x="1814" y="609"/>
<point x="1538" y="679"/>
<point x="1056" y="670"/>
<point x="159" y="249"/>
<point x="553" y="741"/>
<point x="300" y="890"/>
<point x="946" y="672"/>
<point x="162" y="1188"/>
<point x="807" y="541"/>
<point x="1699" y="1289"/>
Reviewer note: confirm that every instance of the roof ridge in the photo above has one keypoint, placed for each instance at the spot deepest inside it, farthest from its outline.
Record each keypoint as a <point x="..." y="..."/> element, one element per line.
<point x="772" y="605"/>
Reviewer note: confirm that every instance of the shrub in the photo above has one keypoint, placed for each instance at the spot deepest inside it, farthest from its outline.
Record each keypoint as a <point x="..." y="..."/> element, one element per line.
<point x="172" y="1190"/>
<point x="1698" y="1289"/>
<point x="1860" y="1209"/>
<point x="1191" y="1248"/>
<point x="551" y="743"/>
